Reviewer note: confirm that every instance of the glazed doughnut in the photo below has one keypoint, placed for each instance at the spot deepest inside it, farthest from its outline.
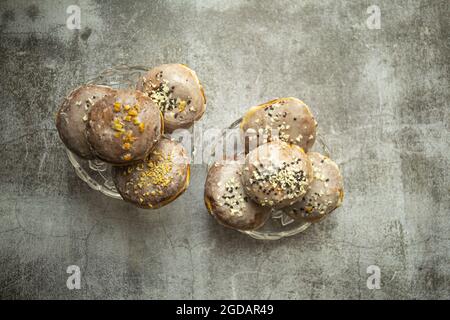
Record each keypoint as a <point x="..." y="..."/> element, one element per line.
<point x="72" y="117"/>
<point x="123" y="128"/>
<point x="156" y="181"/>
<point x="325" y="193"/>
<point x="225" y="198"/>
<point x="290" y="117"/>
<point x="276" y="174"/>
<point x="178" y="93"/>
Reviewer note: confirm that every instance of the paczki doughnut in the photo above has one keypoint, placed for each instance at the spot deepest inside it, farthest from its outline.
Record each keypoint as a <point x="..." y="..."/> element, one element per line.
<point x="288" y="118"/>
<point x="178" y="93"/>
<point x="276" y="174"/>
<point x="226" y="200"/>
<point x="72" y="117"/>
<point x="325" y="193"/>
<point x="158" y="180"/>
<point x="122" y="128"/>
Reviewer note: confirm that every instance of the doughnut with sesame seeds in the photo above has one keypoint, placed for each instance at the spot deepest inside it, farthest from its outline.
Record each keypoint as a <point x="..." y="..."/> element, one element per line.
<point x="226" y="200"/>
<point x="325" y="193"/>
<point x="177" y="91"/>
<point x="276" y="174"/>
<point x="288" y="119"/>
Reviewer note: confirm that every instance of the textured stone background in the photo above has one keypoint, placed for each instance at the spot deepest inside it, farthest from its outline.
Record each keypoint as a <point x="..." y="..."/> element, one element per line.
<point x="381" y="98"/>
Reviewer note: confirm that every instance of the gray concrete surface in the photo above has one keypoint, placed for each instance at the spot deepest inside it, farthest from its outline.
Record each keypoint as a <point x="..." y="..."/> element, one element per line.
<point x="381" y="98"/>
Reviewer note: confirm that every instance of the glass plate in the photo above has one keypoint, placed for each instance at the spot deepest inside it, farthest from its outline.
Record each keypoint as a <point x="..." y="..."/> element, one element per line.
<point x="279" y="225"/>
<point x="96" y="173"/>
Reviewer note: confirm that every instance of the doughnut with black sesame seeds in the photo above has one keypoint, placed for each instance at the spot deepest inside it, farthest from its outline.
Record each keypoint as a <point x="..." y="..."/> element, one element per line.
<point x="177" y="91"/>
<point x="325" y="193"/>
<point x="288" y="119"/>
<point x="226" y="200"/>
<point x="276" y="174"/>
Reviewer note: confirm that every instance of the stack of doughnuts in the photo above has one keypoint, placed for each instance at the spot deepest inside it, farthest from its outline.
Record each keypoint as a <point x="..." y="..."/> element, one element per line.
<point x="279" y="172"/>
<point x="126" y="128"/>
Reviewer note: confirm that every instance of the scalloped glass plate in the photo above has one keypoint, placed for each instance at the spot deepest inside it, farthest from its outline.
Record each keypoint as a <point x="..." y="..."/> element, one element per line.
<point x="96" y="173"/>
<point x="279" y="225"/>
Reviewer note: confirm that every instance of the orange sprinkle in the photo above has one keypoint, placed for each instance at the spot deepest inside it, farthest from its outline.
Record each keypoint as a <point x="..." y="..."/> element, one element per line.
<point x="118" y="126"/>
<point x="132" y="112"/>
<point x="127" y="157"/>
<point x="129" y="136"/>
<point x="141" y="127"/>
<point x="182" y="105"/>
<point x="117" y="106"/>
<point x="127" y="146"/>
